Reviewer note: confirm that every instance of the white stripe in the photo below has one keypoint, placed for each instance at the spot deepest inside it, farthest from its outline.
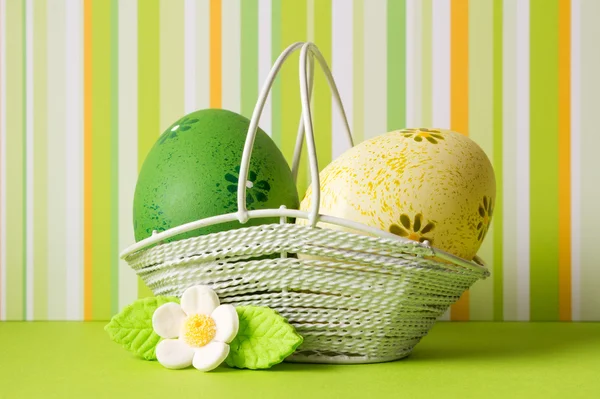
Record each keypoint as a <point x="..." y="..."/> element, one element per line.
<point x="522" y="152"/>
<point x="29" y="157"/>
<point x="264" y="58"/>
<point x="441" y="63"/>
<point x="56" y="163"/>
<point x="74" y="158"/>
<point x="171" y="59"/>
<point x="128" y="161"/>
<point x="202" y="54"/>
<point x="509" y="160"/>
<point x="342" y="57"/>
<point x="440" y="118"/>
<point x="375" y="64"/>
<point x="576" y="159"/>
<point x="189" y="54"/>
<point x="231" y="66"/>
<point x="590" y="170"/>
<point x="3" y="159"/>
<point x="414" y="38"/>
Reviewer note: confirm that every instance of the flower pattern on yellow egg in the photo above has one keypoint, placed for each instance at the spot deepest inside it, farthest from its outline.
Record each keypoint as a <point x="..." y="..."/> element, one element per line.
<point x="422" y="184"/>
<point x="415" y="229"/>
<point x="420" y="134"/>
<point x="486" y="210"/>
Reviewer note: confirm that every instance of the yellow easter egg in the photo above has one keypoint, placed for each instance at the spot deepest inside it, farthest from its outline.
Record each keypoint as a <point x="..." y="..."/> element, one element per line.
<point x="421" y="184"/>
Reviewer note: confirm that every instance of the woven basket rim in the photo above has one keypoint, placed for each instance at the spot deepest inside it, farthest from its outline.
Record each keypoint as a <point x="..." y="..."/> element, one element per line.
<point x="421" y="249"/>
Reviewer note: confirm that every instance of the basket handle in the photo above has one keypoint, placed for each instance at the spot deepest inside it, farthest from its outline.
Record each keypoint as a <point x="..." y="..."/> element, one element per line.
<point x="308" y="51"/>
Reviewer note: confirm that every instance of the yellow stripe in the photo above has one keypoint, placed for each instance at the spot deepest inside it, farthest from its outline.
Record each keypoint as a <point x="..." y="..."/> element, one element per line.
<point x="100" y="75"/>
<point x="459" y="112"/>
<point x="564" y="159"/>
<point x="15" y="200"/>
<point x="481" y="118"/>
<point x="87" y="156"/>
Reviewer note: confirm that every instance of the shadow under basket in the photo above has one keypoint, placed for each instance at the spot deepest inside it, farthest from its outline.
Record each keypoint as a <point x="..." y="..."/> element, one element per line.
<point x="354" y="298"/>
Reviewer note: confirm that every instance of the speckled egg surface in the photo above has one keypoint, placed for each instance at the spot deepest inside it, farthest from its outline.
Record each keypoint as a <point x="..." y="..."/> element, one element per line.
<point x="422" y="184"/>
<point x="192" y="173"/>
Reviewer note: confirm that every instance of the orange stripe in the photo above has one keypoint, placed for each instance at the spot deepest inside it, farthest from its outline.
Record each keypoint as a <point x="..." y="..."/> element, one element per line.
<point x="215" y="53"/>
<point x="459" y="99"/>
<point x="564" y="159"/>
<point x="87" y="165"/>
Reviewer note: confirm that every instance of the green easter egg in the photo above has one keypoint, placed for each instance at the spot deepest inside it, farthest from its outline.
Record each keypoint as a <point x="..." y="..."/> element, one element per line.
<point x="192" y="172"/>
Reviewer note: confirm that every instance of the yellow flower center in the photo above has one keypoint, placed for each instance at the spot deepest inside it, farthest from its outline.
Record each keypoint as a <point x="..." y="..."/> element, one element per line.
<point x="414" y="236"/>
<point x="424" y="134"/>
<point x="198" y="330"/>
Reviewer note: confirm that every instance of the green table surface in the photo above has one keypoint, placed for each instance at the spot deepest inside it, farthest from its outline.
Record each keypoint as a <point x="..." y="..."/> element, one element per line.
<point x="456" y="360"/>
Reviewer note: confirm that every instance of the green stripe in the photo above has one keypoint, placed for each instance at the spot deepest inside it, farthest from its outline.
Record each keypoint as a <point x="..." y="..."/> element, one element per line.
<point x="322" y="93"/>
<point x="396" y="64"/>
<point x="358" y="119"/>
<point x="101" y="159"/>
<point x="276" y="48"/>
<point x="14" y="161"/>
<point x="40" y="177"/>
<point x="249" y="44"/>
<point x="544" y="160"/>
<point x="426" y="64"/>
<point x="148" y="87"/>
<point x="590" y="162"/>
<point x="498" y="165"/>
<point x="293" y="17"/>
<point x="114" y="150"/>
<point x="481" y="123"/>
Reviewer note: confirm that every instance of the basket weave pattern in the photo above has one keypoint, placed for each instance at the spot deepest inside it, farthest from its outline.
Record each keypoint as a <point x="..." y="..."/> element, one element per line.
<point x="353" y="298"/>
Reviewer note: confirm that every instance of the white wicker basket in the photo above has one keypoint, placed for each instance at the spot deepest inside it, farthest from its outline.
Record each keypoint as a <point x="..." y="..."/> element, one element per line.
<point x="355" y="298"/>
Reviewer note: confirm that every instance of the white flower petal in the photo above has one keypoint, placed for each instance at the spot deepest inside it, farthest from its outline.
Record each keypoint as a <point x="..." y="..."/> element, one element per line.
<point x="210" y="356"/>
<point x="199" y="299"/>
<point x="227" y="323"/>
<point x="174" y="354"/>
<point x="167" y="320"/>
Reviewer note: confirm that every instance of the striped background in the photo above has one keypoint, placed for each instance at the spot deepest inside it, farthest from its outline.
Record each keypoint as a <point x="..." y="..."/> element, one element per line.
<point x="86" y="87"/>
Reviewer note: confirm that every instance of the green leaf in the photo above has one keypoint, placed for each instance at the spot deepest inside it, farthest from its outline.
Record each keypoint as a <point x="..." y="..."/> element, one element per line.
<point x="132" y="328"/>
<point x="263" y="340"/>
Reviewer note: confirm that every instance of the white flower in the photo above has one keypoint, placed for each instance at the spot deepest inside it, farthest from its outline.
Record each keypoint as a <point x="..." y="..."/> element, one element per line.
<point x="197" y="332"/>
